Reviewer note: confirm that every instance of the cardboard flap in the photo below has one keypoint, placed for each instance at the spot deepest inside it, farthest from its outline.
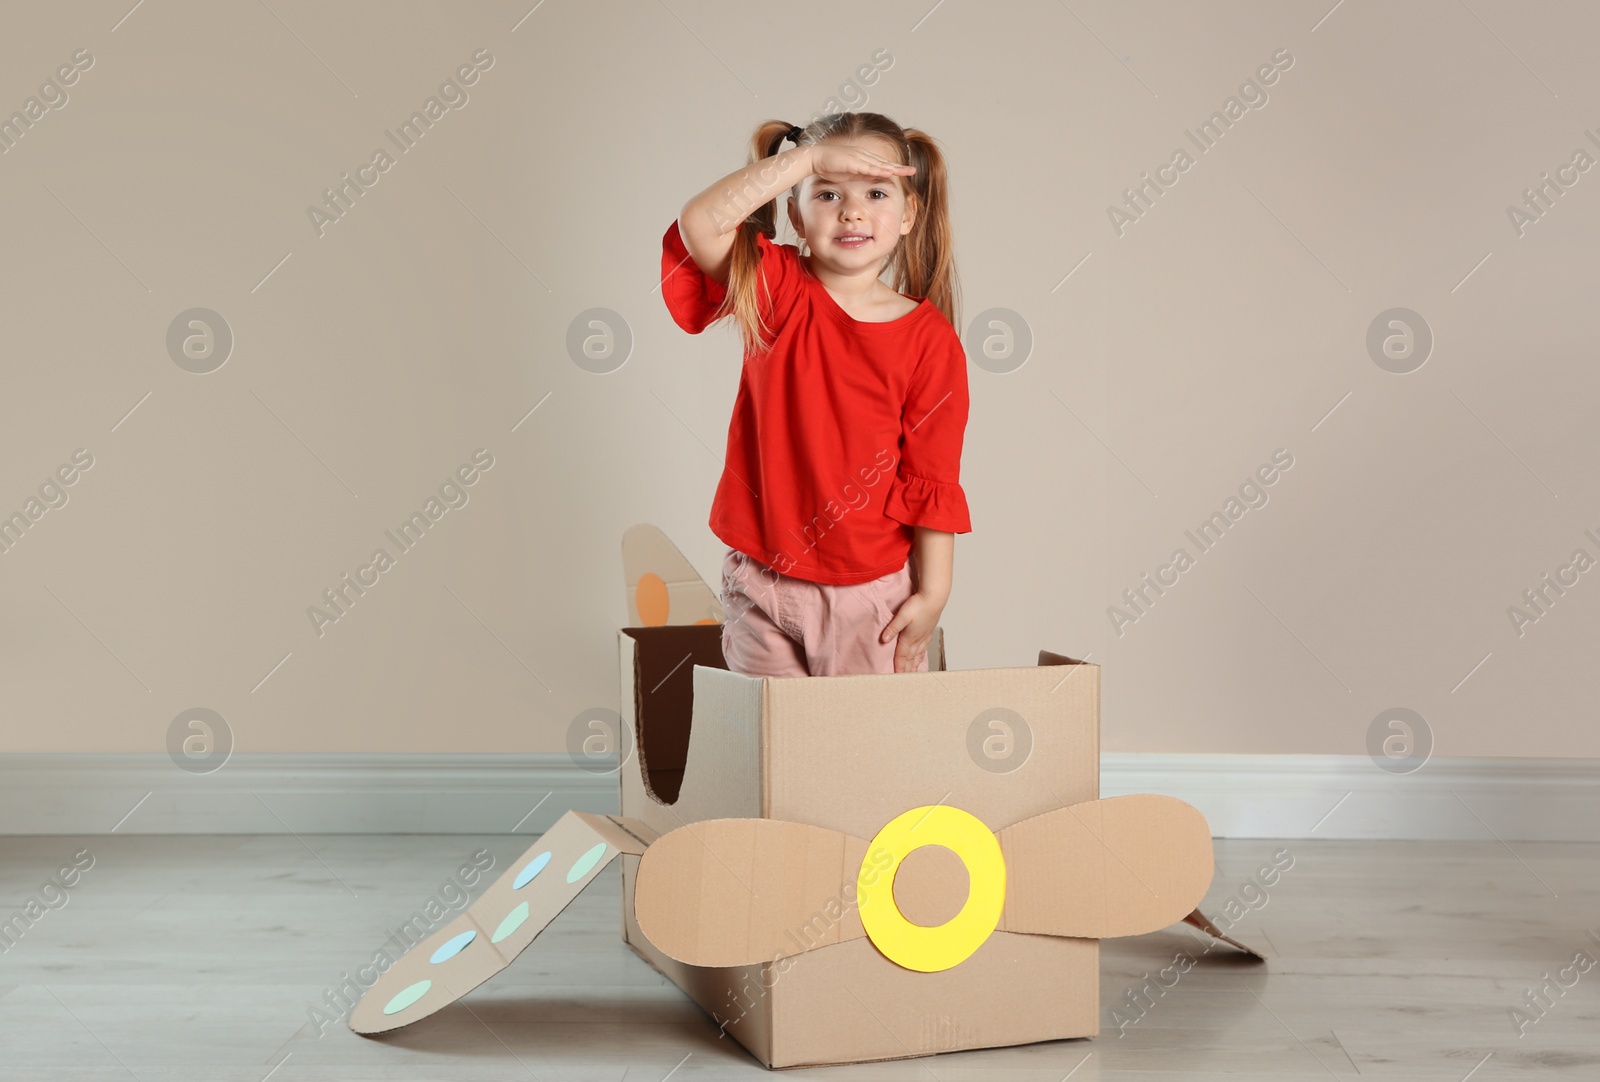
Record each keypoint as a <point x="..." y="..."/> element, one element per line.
<point x="1202" y="922"/>
<point x="731" y="892"/>
<point x="1120" y="866"/>
<point x="662" y="587"/>
<point x="450" y="962"/>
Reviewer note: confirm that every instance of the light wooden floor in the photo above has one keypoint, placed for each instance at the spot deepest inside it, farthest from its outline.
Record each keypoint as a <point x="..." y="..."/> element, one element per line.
<point x="196" y="958"/>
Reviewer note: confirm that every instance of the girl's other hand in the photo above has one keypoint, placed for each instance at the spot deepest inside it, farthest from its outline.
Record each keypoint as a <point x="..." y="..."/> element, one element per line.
<point x="914" y="624"/>
<point x="835" y="162"/>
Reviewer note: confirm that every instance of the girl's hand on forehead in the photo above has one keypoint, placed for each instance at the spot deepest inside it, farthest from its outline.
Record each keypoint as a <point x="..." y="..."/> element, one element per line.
<point x="834" y="163"/>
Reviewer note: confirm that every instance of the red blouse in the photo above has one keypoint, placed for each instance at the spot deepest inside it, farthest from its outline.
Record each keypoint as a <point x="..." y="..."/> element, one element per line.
<point x="844" y="436"/>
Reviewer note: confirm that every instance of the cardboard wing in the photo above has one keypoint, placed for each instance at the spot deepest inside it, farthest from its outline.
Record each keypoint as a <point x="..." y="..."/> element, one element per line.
<point x="509" y="915"/>
<point x="662" y="587"/>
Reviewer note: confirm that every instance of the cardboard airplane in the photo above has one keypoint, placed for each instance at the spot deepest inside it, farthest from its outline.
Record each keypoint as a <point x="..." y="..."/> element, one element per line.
<point x="730" y="895"/>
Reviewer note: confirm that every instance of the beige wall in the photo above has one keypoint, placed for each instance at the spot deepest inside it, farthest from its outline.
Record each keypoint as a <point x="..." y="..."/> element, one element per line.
<point x="372" y="361"/>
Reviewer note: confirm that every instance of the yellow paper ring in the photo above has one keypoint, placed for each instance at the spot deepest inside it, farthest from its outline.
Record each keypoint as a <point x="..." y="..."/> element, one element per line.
<point x="919" y="947"/>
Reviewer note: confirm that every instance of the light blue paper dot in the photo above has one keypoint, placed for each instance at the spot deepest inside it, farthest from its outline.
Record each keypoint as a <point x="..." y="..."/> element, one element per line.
<point x="452" y="947"/>
<point x="531" y="869"/>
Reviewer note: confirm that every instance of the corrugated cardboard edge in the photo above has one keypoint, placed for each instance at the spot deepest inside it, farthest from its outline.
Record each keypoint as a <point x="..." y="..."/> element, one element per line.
<point x="628" y="648"/>
<point x="719" y="758"/>
<point x="1202" y="922"/>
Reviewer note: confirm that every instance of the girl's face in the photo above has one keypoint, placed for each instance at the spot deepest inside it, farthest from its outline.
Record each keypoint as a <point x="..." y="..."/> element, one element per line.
<point x="852" y="224"/>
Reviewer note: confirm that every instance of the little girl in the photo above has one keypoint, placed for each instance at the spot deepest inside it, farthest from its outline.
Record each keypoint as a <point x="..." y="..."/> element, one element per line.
<point x="840" y="495"/>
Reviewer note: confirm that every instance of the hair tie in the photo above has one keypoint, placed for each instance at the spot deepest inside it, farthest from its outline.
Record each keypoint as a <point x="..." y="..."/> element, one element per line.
<point x="795" y="132"/>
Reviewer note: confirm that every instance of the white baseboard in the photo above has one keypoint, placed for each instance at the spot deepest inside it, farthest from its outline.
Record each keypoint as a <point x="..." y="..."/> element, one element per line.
<point x="1242" y="796"/>
<point x="300" y="794"/>
<point x="1347" y="796"/>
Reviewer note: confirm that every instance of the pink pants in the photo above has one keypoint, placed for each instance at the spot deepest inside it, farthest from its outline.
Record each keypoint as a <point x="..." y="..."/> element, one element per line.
<point x="776" y="625"/>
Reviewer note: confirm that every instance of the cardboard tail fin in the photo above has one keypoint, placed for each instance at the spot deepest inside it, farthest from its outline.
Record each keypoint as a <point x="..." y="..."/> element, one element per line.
<point x="447" y="964"/>
<point x="661" y="585"/>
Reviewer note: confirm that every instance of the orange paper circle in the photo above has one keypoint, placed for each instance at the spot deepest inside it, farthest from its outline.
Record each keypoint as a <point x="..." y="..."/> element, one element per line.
<point x="650" y="598"/>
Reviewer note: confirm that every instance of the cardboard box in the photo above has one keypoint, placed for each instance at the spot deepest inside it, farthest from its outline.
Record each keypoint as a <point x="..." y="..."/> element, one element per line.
<point x="850" y="753"/>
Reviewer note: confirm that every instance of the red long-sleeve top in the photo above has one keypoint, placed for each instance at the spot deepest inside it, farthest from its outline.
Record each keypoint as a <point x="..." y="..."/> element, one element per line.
<point x="844" y="436"/>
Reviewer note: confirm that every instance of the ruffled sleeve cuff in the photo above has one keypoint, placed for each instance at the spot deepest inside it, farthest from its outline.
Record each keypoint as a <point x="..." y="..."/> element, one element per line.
<point x="692" y="298"/>
<point x="919" y="501"/>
